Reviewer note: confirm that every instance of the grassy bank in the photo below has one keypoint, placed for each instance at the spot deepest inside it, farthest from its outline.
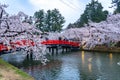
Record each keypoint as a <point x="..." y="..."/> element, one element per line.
<point x="104" y="49"/>
<point x="9" y="72"/>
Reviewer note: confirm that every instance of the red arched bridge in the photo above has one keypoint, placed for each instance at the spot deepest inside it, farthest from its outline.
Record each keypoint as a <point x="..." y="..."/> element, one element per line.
<point x="62" y="43"/>
<point x="49" y="43"/>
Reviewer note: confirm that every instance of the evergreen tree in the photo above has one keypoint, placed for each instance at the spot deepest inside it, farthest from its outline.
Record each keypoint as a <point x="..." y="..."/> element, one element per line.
<point x="50" y="22"/>
<point x="70" y="26"/>
<point x="93" y="12"/>
<point x="117" y="4"/>
<point x="40" y="19"/>
<point x="57" y="21"/>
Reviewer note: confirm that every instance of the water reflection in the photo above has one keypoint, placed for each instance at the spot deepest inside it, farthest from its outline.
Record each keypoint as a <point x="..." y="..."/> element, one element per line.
<point x="44" y="72"/>
<point x="78" y="66"/>
<point x="69" y="70"/>
<point x="90" y="67"/>
<point x="83" y="57"/>
<point x="111" y="57"/>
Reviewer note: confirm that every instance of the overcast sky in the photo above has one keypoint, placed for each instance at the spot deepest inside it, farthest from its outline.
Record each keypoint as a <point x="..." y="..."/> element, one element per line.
<point x="70" y="9"/>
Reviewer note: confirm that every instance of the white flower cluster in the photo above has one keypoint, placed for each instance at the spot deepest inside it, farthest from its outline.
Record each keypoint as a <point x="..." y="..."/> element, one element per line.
<point x="96" y="33"/>
<point x="12" y="29"/>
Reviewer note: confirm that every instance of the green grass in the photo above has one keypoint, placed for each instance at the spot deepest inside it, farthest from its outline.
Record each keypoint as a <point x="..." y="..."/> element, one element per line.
<point x="7" y="66"/>
<point x="0" y="75"/>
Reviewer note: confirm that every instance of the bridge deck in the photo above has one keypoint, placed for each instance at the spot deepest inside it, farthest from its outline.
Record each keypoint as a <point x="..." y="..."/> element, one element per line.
<point x="61" y="43"/>
<point x="48" y="43"/>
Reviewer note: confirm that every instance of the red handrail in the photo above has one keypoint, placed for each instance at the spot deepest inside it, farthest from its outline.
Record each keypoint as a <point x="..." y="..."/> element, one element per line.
<point x="21" y="43"/>
<point x="3" y="47"/>
<point x="60" y="42"/>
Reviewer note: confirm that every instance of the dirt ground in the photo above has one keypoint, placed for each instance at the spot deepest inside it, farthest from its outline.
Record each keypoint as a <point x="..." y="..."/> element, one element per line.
<point x="9" y="75"/>
<point x="9" y="72"/>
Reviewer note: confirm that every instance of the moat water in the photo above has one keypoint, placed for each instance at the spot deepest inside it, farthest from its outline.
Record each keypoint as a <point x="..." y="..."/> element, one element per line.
<point x="76" y="66"/>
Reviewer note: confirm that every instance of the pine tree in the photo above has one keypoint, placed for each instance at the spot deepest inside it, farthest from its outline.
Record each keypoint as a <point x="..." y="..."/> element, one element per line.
<point x="40" y="18"/>
<point x="93" y="12"/>
<point x="51" y="21"/>
<point x="57" y="21"/>
<point x="117" y="4"/>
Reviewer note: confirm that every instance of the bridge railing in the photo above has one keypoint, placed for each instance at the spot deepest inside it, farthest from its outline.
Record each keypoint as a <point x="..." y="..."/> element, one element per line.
<point x="61" y="42"/>
<point x="3" y="47"/>
<point x="24" y="43"/>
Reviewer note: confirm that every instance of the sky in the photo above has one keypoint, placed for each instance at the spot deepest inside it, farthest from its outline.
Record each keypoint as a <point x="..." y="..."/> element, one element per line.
<point x="70" y="9"/>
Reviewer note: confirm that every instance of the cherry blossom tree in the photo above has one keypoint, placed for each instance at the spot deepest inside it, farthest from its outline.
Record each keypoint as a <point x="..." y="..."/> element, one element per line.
<point x="94" y="34"/>
<point x="103" y="33"/>
<point x="17" y="27"/>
